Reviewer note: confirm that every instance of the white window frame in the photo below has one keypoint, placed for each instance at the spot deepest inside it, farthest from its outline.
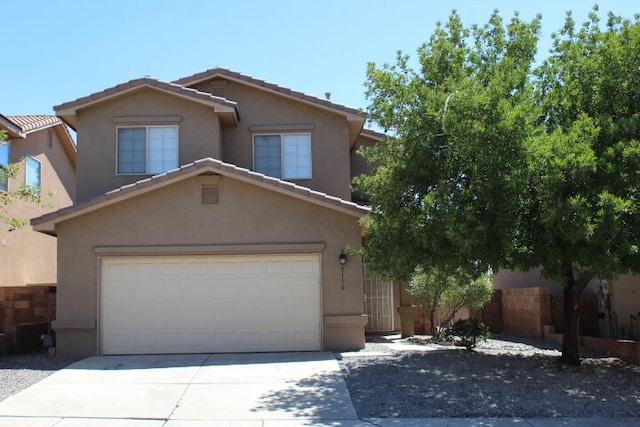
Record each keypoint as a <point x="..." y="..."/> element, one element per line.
<point x="146" y="128"/>
<point x="282" y="157"/>
<point x="4" y="183"/>
<point x="26" y="172"/>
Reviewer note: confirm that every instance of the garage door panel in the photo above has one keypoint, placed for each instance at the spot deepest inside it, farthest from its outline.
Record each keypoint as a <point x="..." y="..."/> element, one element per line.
<point x="276" y="267"/>
<point x="250" y="289"/>
<point x="217" y="304"/>
<point x="225" y="267"/>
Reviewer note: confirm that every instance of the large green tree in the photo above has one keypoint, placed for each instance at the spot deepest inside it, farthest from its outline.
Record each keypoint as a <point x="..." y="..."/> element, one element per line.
<point x="582" y="205"/>
<point x="493" y="163"/>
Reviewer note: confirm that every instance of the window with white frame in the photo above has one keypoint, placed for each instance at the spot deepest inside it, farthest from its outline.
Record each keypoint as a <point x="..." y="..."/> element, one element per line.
<point x="32" y="176"/>
<point x="286" y="155"/>
<point x="4" y="160"/>
<point x="147" y="149"/>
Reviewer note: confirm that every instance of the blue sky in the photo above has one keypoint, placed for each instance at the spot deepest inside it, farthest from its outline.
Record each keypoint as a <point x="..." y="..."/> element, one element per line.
<point x="57" y="51"/>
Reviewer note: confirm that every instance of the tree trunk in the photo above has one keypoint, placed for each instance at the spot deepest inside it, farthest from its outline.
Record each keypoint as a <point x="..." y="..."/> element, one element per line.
<point x="570" y="348"/>
<point x="570" y="339"/>
<point x="432" y="323"/>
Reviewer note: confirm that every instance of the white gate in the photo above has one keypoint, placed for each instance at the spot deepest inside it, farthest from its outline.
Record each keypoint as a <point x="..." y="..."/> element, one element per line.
<point x="378" y="302"/>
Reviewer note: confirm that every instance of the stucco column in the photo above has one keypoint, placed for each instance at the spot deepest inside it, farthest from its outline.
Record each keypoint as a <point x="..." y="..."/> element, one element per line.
<point x="407" y="320"/>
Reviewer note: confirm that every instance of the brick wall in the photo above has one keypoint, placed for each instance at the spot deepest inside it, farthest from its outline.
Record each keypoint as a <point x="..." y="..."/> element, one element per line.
<point x="26" y="304"/>
<point x="526" y="310"/>
<point x="491" y="313"/>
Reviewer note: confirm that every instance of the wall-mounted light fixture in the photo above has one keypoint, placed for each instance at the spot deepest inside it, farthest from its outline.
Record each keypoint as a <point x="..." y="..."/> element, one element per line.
<point x="342" y="260"/>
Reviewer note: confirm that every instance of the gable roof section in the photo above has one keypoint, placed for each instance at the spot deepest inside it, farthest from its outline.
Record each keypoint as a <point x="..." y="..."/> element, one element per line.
<point x="22" y="126"/>
<point x="227" y="109"/>
<point x="354" y="117"/>
<point x="46" y="223"/>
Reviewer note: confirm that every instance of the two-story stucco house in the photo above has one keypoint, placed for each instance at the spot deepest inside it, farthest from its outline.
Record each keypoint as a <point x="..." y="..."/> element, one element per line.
<point x="212" y="214"/>
<point x="46" y="155"/>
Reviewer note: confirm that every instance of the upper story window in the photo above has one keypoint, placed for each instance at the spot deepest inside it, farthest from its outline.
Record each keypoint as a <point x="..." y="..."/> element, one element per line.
<point x="147" y="149"/>
<point x="4" y="160"/>
<point x="32" y="174"/>
<point x="286" y="155"/>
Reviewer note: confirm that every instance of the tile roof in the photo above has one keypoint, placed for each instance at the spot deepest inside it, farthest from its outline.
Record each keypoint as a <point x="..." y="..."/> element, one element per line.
<point x="224" y="72"/>
<point x="22" y="126"/>
<point x="47" y="222"/>
<point x="142" y="82"/>
<point x="31" y="123"/>
<point x="373" y="134"/>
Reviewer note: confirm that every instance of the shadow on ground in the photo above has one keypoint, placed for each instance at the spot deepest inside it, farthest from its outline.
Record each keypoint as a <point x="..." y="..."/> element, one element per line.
<point x="322" y="396"/>
<point x="458" y="383"/>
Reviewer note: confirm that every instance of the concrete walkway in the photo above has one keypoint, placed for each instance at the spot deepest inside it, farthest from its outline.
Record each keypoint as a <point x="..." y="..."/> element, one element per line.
<point x="234" y="390"/>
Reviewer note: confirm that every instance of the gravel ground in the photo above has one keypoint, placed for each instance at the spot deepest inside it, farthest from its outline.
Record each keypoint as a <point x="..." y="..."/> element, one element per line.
<point x="505" y="377"/>
<point x="18" y="372"/>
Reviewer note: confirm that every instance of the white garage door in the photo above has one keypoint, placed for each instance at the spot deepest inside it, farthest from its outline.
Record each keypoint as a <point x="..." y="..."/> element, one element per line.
<point x="210" y="304"/>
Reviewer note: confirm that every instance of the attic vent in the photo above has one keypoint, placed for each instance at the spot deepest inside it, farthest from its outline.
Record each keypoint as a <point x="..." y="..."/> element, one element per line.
<point x="218" y="87"/>
<point x="218" y="91"/>
<point x="209" y="189"/>
<point x="210" y="194"/>
<point x="49" y="138"/>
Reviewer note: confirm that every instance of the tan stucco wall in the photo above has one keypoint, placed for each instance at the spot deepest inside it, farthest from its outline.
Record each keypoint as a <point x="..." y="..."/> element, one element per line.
<point x="329" y="136"/>
<point x="199" y="136"/>
<point x="28" y="257"/>
<point x="173" y="215"/>
<point x="625" y="301"/>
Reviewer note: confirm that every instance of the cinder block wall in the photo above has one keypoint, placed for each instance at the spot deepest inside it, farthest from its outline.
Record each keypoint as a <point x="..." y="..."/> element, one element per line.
<point x="526" y="310"/>
<point x="26" y="304"/>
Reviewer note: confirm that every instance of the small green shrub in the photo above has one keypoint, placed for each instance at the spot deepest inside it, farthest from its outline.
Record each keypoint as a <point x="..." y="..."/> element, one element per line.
<point x="469" y="331"/>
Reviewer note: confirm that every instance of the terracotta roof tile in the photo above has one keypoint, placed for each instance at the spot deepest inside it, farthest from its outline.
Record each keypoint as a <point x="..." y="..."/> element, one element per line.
<point x="33" y="122"/>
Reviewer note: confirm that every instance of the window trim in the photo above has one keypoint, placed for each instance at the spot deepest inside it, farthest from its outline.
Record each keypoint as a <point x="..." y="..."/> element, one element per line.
<point x="5" y="188"/>
<point x="146" y="141"/>
<point x="281" y="134"/>
<point x="26" y="171"/>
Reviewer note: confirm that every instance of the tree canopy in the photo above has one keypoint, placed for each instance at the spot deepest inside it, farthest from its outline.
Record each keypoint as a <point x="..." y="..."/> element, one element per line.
<point x="493" y="162"/>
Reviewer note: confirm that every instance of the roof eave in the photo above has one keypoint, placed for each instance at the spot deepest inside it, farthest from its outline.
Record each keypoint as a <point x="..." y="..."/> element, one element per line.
<point x="349" y="113"/>
<point x="68" y="114"/>
<point x="13" y="130"/>
<point x="46" y="223"/>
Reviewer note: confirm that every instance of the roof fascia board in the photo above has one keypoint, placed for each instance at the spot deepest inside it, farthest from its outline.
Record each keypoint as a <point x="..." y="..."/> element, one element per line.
<point x="211" y="103"/>
<point x="14" y="130"/>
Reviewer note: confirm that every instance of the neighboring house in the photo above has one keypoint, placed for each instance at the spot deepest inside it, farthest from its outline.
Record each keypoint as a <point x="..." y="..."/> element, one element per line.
<point x="609" y="308"/>
<point x="46" y="153"/>
<point x="212" y="214"/>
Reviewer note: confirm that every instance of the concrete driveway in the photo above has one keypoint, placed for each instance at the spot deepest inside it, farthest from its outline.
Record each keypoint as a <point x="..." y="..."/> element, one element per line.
<point x="268" y="389"/>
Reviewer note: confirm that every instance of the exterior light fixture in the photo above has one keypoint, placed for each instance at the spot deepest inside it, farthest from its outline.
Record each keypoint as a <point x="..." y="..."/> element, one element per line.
<point x="342" y="258"/>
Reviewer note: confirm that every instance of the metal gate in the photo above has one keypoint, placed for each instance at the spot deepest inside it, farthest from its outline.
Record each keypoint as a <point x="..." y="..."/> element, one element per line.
<point x="378" y="302"/>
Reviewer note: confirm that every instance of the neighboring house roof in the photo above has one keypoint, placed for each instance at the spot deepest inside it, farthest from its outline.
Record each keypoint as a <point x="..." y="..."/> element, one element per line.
<point x="355" y="117"/>
<point x="46" y="223"/>
<point x="23" y="125"/>
<point x="372" y="134"/>
<point x="227" y="109"/>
